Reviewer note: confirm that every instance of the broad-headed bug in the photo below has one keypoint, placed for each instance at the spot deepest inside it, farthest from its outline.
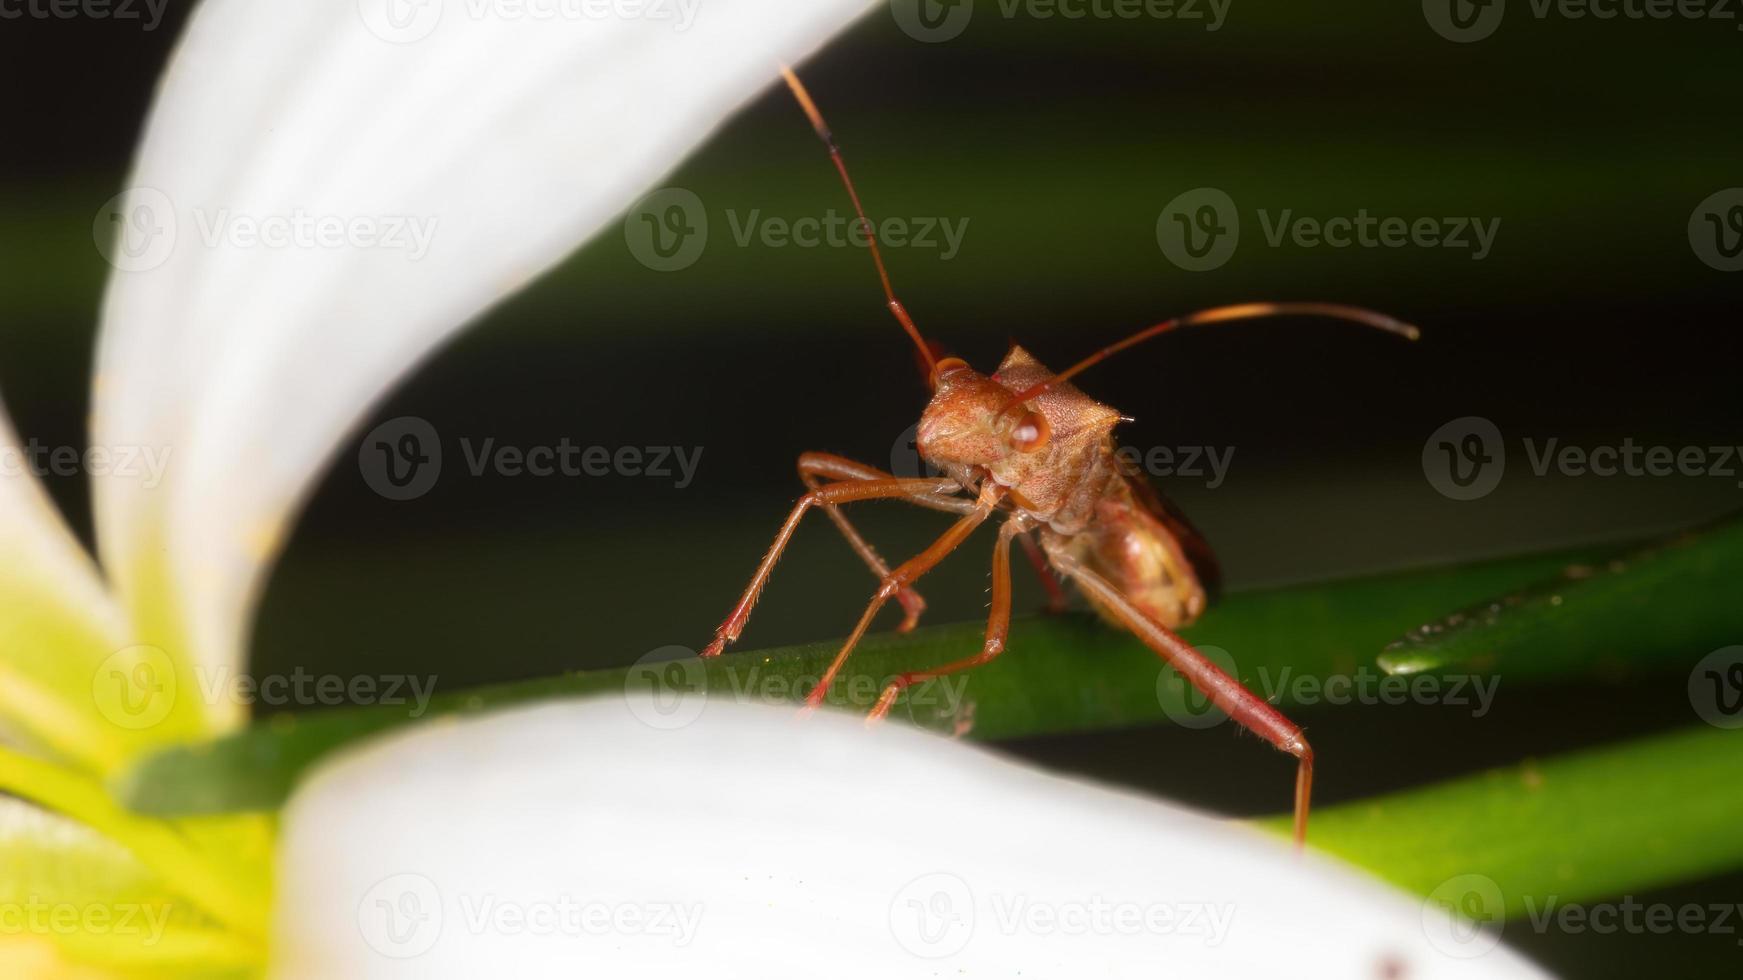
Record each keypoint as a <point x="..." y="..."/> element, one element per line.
<point x="1026" y="444"/>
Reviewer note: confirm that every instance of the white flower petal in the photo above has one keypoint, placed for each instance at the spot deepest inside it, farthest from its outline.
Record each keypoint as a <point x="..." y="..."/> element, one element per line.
<point x="518" y="136"/>
<point x="57" y="622"/>
<point x="575" y="840"/>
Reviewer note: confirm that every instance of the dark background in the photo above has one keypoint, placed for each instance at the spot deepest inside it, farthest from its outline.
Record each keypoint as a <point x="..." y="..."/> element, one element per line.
<point x="1060" y="141"/>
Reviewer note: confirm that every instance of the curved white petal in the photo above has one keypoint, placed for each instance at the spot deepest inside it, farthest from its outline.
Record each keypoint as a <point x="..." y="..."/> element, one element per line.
<point x="576" y="840"/>
<point x="57" y="622"/>
<point x="504" y="136"/>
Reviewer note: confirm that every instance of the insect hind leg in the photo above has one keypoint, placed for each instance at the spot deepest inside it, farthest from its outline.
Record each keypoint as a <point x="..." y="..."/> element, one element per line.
<point x="1247" y="709"/>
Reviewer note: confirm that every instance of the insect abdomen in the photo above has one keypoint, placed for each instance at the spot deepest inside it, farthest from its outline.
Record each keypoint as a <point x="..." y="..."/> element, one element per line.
<point x="1141" y="557"/>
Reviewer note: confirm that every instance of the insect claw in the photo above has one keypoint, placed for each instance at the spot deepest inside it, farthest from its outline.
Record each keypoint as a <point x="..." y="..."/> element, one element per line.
<point x="882" y="708"/>
<point x="912" y="607"/>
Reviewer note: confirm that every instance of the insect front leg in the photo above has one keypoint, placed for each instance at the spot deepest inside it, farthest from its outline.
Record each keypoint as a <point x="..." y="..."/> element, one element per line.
<point x="998" y="625"/>
<point x="846" y="491"/>
<point x="815" y="468"/>
<point x="1247" y="709"/>
<point x="905" y="574"/>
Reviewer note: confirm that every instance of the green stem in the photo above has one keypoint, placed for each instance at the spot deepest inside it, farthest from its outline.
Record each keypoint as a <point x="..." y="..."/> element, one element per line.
<point x="1557" y="830"/>
<point x="1672" y="600"/>
<point x="1062" y="674"/>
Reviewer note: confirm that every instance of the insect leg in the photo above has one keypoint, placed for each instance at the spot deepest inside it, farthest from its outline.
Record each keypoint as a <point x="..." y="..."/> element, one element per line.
<point x="832" y="467"/>
<point x="998" y="625"/>
<point x="1246" y="708"/>
<point x="834" y="493"/>
<point x="1056" y="597"/>
<point x="814" y="468"/>
<point x="904" y="574"/>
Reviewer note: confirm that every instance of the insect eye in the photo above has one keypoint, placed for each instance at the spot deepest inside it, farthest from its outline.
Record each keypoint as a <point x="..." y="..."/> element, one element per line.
<point x="1031" y="433"/>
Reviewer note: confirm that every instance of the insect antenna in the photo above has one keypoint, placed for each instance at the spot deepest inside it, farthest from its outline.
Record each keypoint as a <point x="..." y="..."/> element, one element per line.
<point x="1223" y="314"/>
<point x="828" y="138"/>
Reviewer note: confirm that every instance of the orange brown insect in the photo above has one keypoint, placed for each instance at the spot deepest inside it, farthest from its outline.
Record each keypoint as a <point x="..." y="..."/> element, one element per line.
<point x="1025" y="444"/>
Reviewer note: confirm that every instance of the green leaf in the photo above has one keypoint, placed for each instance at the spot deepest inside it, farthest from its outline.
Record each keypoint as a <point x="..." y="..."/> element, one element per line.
<point x="1067" y="673"/>
<point x="1556" y="831"/>
<point x="1672" y="601"/>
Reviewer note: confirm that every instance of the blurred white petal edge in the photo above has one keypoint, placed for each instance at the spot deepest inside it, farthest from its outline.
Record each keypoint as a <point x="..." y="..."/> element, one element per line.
<point x="57" y="621"/>
<point x="589" y="839"/>
<point x="496" y="139"/>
